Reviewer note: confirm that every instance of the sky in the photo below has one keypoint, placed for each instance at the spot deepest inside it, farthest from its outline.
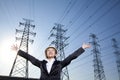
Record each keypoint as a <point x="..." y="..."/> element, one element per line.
<point x="80" y="17"/>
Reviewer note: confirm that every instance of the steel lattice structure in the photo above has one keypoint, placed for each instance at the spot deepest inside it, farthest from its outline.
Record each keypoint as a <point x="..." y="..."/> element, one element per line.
<point x="99" y="73"/>
<point x="117" y="54"/>
<point x="20" y="65"/>
<point x="58" y="33"/>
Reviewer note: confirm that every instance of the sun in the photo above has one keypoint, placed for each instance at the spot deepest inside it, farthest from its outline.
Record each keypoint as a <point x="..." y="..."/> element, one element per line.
<point x="5" y="50"/>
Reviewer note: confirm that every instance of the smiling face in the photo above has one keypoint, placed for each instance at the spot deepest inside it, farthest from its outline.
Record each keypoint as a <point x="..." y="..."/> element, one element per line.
<point x="50" y="52"/>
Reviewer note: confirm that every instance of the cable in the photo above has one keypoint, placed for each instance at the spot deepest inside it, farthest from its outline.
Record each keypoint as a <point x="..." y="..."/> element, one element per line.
<point x="84" y="63"/>
<point x="109" y="36"/>
<point x="96" y="20"/>
<point x="82" y="58"/>
<point x="100" y="17"/>
<point x="116" y="33"/>
<point x="76" y="67"/>
<point x="102" y="49"/>
<point x="101" y="56"/>
<point x="67" y="10"/>
<point x="95" y="12"/>
<point x="113" y="26"/>
<point x="75" y="18"/>
<point x="89" y="55"/>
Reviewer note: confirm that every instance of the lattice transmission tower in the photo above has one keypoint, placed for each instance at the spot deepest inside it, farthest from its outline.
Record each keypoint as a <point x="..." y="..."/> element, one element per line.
<point x="60" y="43"/>
<point x="20" y="65"/>
<point x="117" y="54"/>
<point x="99" y="73"/>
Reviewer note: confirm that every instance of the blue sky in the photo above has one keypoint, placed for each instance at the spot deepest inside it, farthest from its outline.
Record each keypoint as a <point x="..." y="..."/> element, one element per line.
<point x="80" y="17"/>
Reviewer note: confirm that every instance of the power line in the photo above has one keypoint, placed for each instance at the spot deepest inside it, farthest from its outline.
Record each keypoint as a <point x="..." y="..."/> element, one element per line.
<point x="97" y="19"/>
<point x="104" y="39"/>
<point x="75" y="18"/>
<point x="85" y="62"/>
<point x="109" y="36"/>
<point x="109" y="28"/>
<point x="76" y="67"/>
<point x="95" y="12"/>
<point x="100" y="17"/>
<point x="101" y="49"/>
<point x="82" y="58"/>
<point x="67" y="10"/>
<point x="89" y="55"/>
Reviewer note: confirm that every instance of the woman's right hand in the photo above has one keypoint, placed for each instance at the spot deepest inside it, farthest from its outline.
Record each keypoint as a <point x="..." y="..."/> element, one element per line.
<point x="14" y="47"/>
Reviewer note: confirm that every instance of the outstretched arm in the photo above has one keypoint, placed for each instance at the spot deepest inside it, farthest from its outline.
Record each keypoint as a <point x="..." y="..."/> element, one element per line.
<point x="74" y="55"/>
<point x="27" y="56"/>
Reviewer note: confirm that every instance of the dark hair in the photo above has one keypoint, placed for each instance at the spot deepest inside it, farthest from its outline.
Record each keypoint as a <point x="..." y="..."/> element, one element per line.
<point x="49" y="48"/>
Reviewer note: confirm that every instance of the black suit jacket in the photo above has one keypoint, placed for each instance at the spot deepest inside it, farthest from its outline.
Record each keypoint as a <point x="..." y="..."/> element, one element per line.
<point x="56" y="67"/>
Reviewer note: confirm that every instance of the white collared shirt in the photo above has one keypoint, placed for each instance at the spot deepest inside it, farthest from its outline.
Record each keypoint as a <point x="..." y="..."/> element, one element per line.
<point x="49" y="64"/>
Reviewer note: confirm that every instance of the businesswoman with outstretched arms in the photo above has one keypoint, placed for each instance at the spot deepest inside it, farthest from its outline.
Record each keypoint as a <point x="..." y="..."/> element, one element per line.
<point x="51" y="68"/>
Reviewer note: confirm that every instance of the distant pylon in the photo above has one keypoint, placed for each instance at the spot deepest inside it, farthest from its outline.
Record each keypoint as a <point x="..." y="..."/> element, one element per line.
<point x="98" y="67"/>
<point x="60" y="44"/>
<point x="20" y="65"/>
<point x="117" y="54"/>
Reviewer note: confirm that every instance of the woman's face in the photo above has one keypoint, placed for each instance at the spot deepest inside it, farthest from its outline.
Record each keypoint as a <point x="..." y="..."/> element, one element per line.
<point x="51" y="53"/>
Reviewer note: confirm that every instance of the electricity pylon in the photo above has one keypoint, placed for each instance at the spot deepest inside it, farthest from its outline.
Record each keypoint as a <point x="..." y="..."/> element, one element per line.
<point x="20" y="65"/>
<point x="117" y="54"/>
<point x="58" y="33"/>
<point x="99" y="73"/>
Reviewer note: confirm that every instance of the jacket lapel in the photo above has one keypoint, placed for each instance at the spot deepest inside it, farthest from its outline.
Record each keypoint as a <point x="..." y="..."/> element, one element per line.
<point x="44" y="66"/>
<point x="53" y="66"/>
